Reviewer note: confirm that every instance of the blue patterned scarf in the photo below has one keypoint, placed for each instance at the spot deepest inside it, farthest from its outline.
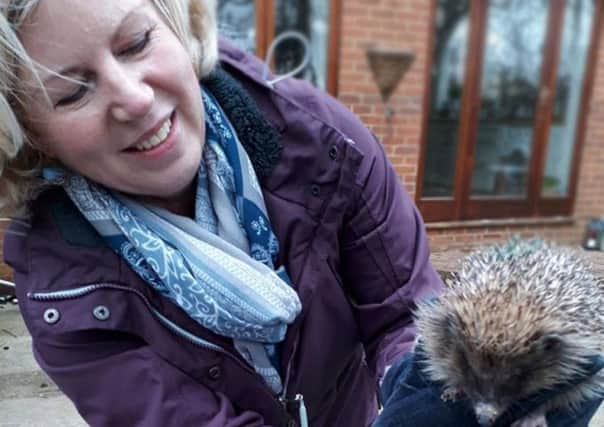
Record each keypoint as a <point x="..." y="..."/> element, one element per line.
<point x="219" y="268"/>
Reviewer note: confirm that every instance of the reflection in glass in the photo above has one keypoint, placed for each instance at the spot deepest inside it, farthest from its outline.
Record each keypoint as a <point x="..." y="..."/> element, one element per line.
<point x="509" y="93"/>
<point x="311" y="18"/>
<point x="578" y="20"/>
<point x="447" y="74"/>
<point x="237" y="22"/>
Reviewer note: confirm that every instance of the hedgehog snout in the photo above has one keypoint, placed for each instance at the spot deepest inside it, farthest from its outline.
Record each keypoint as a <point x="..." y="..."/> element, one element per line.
<point x="486" y="413"/>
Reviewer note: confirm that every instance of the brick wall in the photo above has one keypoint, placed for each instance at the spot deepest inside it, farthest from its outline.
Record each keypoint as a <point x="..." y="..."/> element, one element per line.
<point x="590" y="197"/>
<point x="395" y="24"/>
<point x="405" y="25"/>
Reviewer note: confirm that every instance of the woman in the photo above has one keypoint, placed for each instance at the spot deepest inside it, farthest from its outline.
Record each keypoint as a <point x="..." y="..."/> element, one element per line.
<point x="223" y="253"/>
<point x="196" y="247"/>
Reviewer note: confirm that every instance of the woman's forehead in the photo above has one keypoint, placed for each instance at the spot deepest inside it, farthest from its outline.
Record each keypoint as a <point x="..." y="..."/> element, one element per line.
<point x="52" y="33"/>
<point x="50" y="20"/>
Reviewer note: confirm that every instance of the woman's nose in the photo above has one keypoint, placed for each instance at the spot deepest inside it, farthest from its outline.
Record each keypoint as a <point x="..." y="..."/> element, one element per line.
<point x="131" y="97"/>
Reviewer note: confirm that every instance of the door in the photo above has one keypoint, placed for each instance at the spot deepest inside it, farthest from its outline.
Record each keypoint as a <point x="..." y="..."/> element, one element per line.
<point x="510" y="81"/>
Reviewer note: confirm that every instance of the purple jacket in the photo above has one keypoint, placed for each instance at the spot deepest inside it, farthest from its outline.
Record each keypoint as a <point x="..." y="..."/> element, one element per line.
<point x="352" y="242"/>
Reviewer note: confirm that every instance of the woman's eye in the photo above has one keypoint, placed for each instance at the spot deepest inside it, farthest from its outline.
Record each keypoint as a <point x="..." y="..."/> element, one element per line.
<point x="74" y="97"/>
<point x="138" y="46"/>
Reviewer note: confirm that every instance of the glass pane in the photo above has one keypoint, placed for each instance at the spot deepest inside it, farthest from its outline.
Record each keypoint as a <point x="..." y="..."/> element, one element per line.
<point x="447" y="78"/>
<point x="578" y="20"/>
<point x="511" y="72"/>
<point x="237" y="22"/>
<point x="311" y="18"/>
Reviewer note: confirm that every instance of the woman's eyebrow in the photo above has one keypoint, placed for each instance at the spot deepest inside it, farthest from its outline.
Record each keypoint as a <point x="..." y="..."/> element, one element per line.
<point x="133" y="14"/>
<point x="75" y="70"/>
<point x="61" y="74"/>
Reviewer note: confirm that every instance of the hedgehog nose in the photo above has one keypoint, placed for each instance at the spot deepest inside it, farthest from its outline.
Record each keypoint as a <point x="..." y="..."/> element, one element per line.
<point x="486" y="413"/>
<point x="485" y="420"/>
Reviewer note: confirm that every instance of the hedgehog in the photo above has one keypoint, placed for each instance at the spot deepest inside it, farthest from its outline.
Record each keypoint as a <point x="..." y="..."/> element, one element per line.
<point x="516" y="319"/>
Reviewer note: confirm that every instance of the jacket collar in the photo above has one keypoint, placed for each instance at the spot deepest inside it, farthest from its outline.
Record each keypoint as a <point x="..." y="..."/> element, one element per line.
<point x="260" y="139"/>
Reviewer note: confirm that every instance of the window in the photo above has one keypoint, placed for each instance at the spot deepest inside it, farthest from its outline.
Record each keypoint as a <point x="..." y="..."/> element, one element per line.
<point x="253" y="24"/>
<point x="237" y="22"/>
<point x="509" y="84"/>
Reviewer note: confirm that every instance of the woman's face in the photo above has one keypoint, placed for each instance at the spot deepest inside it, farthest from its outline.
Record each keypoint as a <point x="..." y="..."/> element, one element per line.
<point x="137" y="124"/>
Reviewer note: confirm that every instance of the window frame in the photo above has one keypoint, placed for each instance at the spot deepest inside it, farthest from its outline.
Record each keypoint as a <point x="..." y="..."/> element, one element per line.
<point x="461" y="206"/>
<point x="265" y="33"/>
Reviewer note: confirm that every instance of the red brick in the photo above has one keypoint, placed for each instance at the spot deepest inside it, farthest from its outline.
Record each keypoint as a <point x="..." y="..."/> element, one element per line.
<point x="404" y="25"/>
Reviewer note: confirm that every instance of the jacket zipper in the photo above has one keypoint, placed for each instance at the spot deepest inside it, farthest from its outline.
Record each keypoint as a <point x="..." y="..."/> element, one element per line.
<point x="174" y="328"/>
<point x="298" y="399"/>
<point x="183" y="333"/>
<point x="288" y="370"/>
<point x="85" y="290"/>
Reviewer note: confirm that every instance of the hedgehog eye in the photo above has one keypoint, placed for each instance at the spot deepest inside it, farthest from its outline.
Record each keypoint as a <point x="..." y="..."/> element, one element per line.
<point x="550" y="342"/>
<point x="546" y="341"/>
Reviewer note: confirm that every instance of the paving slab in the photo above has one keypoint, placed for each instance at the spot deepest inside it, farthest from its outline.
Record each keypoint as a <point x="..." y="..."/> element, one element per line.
<point x="28" y="397"/>
<point x="16" y="356"/>
<point x="47" y="411"/>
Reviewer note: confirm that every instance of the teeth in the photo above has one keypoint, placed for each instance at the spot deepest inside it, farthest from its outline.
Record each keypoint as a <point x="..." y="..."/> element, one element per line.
<point x="156" y="139"/>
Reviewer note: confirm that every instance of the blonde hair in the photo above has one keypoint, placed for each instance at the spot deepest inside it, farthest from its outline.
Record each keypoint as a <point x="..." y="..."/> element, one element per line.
<point x="193" y="22"/>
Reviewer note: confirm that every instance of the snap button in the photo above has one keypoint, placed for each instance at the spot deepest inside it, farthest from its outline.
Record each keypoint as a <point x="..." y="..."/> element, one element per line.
<point x="101" y="312"/>
<point x="315" y="190"/>
<point x="333" y="152"/>
<point x="51" y="316"/>
<point x="215" y="372"/>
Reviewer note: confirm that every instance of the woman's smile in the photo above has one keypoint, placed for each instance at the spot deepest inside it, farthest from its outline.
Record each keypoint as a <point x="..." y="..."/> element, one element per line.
<point x="155" y="137"/>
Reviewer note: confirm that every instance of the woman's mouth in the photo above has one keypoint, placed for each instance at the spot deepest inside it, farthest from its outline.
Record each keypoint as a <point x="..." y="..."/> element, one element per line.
<point x="157" y="139"/>
<point x="159" y="142"/>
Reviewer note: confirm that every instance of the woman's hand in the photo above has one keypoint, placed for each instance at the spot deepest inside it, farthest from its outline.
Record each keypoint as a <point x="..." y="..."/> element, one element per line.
<point x="410" y="398"/>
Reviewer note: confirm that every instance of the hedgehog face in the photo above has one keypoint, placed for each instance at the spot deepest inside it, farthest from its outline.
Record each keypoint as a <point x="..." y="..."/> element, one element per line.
<point x="514" y="320"/>
<point x="491" y="368"/>
<point x="494" y="380"/>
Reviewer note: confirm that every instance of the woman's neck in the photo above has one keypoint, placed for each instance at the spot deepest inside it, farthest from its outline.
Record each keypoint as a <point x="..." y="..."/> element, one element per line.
<point x="182" y="203"/>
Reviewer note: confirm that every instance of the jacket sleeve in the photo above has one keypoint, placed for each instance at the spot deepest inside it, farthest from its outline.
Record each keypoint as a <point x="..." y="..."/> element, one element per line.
<point x="120" y="381"/>
<point x="385" y="264"/>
